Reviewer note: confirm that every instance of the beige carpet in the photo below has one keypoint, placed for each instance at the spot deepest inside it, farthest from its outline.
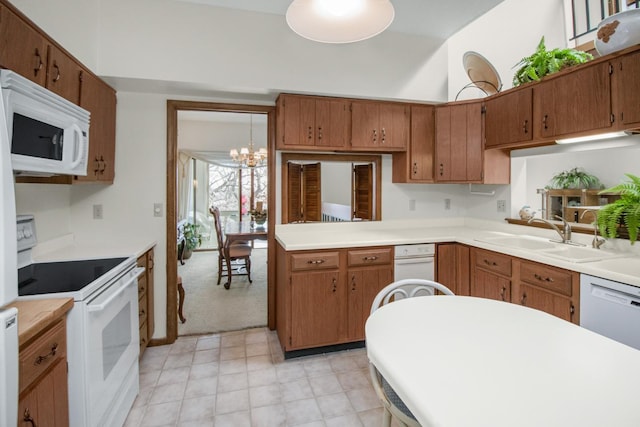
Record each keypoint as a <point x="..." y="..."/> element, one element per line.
<point x="209" y="308"/>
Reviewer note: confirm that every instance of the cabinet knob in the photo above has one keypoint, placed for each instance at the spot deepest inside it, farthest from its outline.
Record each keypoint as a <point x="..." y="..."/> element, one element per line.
<point x="525" y="126"/>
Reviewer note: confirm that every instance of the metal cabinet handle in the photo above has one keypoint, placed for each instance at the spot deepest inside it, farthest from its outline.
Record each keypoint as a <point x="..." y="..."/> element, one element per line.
<point x="525" y="126"/>
<point x="369" y="258"/>
<point x="544" y="121"/>
<point x="57" y="77"/>
<point x="353" y="283"/>
<point x="441" y="169"/>
<point x="37" y="64"/>
<point x="104" y="165"/>
<point x="503" y="292"/>
<point x="27" y="417"/>
<point x="384" y="135"/>
<point x="375" y="136"/>
<point x="543" y="279"/>
<point x="415" y="168"/>
<point x="493" y="263"/>
<point x="52" y="352"/>
<point x="319" y="132"/>
<point x="523" y="299"/>
<point x="315" y="261"/>
<point x="310" y="133"/>
<point x="334" y="282"/>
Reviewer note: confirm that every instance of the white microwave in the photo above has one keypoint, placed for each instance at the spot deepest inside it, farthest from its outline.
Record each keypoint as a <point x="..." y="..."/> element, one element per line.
<point x="48" y="134"/>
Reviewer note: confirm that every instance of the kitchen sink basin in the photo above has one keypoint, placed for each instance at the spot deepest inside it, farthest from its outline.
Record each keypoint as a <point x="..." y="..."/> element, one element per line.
<point x="578" y="254"/>
<point x="520" y="242"/>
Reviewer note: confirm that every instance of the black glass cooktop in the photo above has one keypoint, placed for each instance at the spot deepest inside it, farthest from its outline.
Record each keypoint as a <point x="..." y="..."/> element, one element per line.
<point x="56" y="277"/>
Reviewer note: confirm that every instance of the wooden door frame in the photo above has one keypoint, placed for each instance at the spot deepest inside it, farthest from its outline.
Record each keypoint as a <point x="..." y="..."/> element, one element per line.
<point x="173" y="106"/>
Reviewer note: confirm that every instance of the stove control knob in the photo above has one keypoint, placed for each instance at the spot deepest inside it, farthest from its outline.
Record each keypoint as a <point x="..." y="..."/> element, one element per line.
<point x="27" y="233"/>
<point x="20" y="234"/>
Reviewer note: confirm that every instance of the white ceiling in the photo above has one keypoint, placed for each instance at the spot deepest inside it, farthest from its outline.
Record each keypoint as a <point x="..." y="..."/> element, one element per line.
<point x="431" y="18"/>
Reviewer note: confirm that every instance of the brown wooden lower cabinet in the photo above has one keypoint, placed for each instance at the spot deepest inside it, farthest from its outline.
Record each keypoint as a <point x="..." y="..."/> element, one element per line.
<point x="503" y="277"/>
<point x="145" y="299"/>
<point x="43" y="379"/>
<point x="324" y="297"/>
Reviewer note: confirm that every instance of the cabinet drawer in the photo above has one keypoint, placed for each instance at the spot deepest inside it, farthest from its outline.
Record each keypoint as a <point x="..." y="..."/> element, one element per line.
<point x="369" y="257"/>
<point x="42" y="354"/>
<point x="315" y="261"/>
<point x="547" y="277"/>
<point x="492" y="261"/>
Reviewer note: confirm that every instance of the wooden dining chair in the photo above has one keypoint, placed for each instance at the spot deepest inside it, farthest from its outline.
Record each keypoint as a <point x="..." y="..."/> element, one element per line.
<point x="230" y="254"/>
<point x="393" y="406"/>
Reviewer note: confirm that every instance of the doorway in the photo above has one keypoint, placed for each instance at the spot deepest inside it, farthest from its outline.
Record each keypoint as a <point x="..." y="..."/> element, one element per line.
<point x="173" y="109"/>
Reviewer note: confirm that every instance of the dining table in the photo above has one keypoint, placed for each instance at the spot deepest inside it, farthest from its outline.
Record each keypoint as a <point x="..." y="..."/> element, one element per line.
<point x="244" y="231"/>
<point x="459" y="361"/>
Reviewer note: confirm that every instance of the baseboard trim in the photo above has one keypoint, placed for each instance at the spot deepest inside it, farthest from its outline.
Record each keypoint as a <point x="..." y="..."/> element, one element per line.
<point x="326" y="349"/>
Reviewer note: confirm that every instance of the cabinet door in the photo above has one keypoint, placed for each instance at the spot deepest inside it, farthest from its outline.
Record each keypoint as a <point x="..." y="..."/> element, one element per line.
<point x="47" y="403"/>
<point x="297" y="120"/>
<point x="364" y="125"/>
<point x="474" y="148"/>
<point x="576" y="102"/>
<point x="508" y="119"/>
<point x="332" y="123"/>
<point x="22" y="49"/>
<point x="100" y="99"/>
<point x="63" y="75"/>
<point x="421" y="146"/>
<point x="626" y="74"/>
<point x="363" y="286"/>
<point x="317" y="309"/>
<point x="489" y="285"/>
<point x="452" y="267"/>
<point x="546" y="301"/>
<point x="394" y="126"/>
<point x="443" y="144"/>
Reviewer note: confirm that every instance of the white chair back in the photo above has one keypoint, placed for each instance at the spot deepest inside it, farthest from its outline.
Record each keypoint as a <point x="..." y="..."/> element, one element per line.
<point x="407" y="288"/>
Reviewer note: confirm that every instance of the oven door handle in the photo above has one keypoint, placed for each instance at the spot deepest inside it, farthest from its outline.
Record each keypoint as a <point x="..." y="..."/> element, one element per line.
<point x="135" y="273"/>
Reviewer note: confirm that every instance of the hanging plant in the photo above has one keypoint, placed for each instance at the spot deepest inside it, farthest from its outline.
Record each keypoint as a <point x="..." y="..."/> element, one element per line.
<point x="574" y="179"/>
<point x="543" y="62"/>
<point x="624" y="211"/>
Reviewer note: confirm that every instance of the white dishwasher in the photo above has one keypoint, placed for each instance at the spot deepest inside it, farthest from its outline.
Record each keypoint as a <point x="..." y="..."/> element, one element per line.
<point x="414" y="261"/>
<point x="611" y="309"/>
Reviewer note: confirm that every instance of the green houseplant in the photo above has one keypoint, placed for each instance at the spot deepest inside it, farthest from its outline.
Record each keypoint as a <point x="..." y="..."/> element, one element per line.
<point x="624" y="211"/>
<point x="573" y="179"/>
<point x="543" y="62"/>
<point x="192" y="238"/>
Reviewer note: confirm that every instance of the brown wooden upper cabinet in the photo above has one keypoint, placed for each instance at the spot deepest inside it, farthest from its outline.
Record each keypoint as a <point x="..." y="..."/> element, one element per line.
<point x="22" y="48"/>
<point x="577" y="102"/>
<point x="459" y="150"/>
<point x="27" y="50"/>
<point x="626" y="91"/>
<point x="509" y="119"/>
<point x="312" y="122"/>
<point x="416" y="164"/>
<point x="100" y="99"/>
<point x="379" y="126"/>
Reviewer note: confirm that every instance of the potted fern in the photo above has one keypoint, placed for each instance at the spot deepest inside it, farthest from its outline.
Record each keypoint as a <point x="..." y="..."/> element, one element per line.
<point x="543" y="62"/>
<point x="624" y="212"/>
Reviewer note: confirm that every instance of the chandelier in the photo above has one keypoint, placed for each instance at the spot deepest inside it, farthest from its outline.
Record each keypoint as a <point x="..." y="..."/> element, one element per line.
<point x="247" y="156"/>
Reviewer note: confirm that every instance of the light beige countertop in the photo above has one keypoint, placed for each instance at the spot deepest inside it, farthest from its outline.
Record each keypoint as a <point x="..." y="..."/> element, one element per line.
<point x="623" y="264"/>
<point x="67" y="248"/>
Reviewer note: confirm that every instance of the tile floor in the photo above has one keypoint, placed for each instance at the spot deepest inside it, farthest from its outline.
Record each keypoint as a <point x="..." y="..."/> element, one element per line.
<point x="241" y="379"/>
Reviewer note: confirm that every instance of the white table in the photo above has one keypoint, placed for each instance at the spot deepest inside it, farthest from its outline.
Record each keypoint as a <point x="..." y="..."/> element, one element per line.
<point x="473" y="362"/>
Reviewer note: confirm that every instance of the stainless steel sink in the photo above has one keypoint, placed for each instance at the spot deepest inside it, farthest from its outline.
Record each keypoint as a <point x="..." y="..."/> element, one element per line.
<point x="520" y="242"/>
<point x="578" y="254"/>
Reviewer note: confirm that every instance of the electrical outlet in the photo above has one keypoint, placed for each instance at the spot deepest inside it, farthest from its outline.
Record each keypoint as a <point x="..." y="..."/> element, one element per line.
<point x="502" y="205"/>
<point x="447" y="204"/>
<point x="412" y="205"/>
<point x="97" y="211"/>
<point x="157" y="209"/>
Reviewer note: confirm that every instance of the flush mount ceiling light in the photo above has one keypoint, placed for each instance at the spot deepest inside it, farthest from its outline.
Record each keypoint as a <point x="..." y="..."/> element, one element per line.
<point x="339" y="21"/>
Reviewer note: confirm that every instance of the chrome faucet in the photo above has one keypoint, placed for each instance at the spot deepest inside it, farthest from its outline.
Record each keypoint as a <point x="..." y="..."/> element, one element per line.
<point x="565" y="233"/>
<point x="597" y="241"/>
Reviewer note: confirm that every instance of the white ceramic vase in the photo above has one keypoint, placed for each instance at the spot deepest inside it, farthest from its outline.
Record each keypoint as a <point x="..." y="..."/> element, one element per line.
<point x="618" y="32"/>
